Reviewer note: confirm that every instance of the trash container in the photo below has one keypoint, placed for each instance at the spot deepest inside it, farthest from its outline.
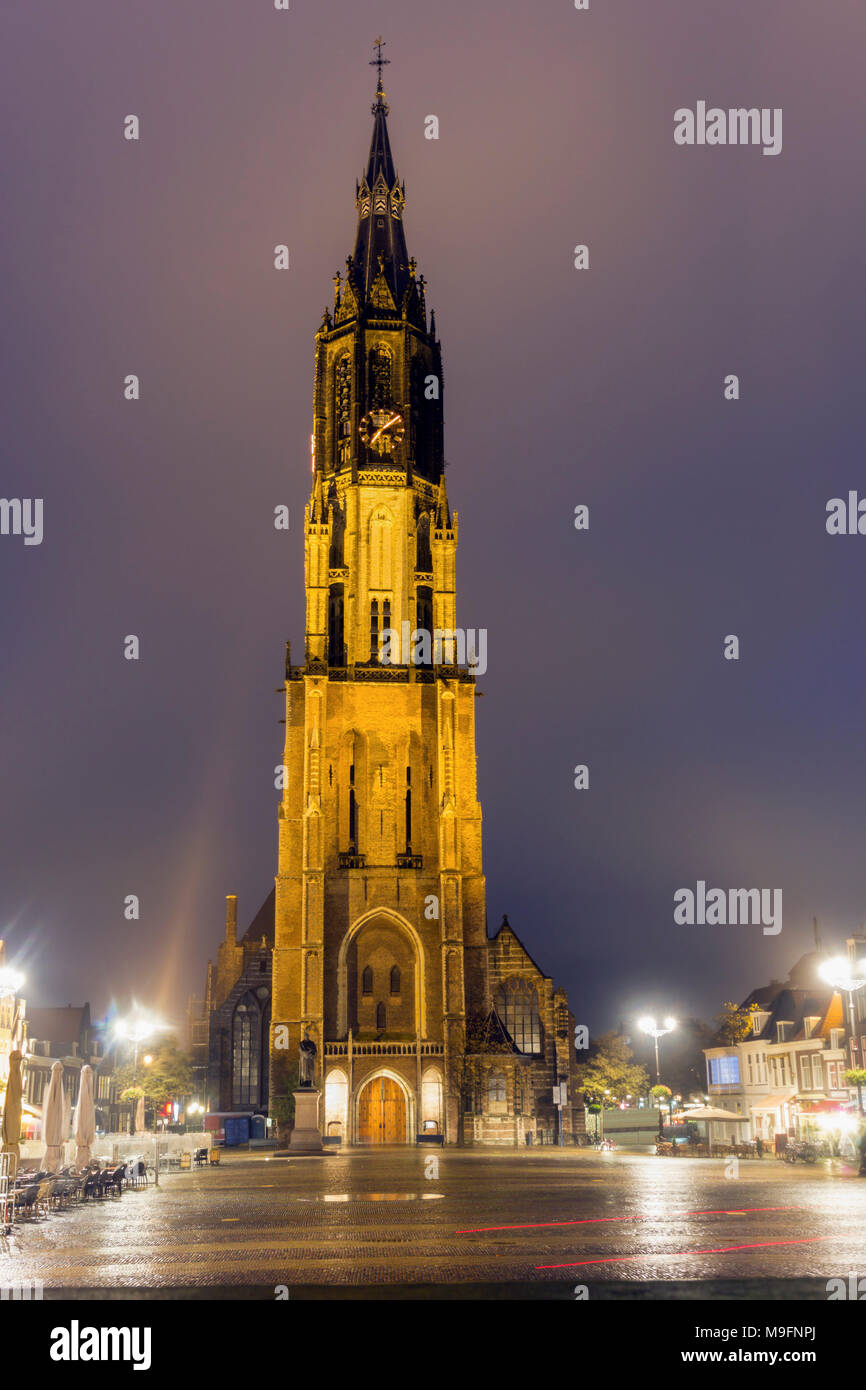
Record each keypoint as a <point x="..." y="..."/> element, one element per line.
<point x="186" y="1160"/>
<point x="214" y="1157"/>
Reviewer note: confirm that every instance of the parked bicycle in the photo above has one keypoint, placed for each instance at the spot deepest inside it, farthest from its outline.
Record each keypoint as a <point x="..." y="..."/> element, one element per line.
<point x="800" y="1151"/>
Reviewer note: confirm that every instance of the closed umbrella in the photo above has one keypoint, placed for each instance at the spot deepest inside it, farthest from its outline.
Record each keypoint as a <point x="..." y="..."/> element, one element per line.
<point x="53" y="1114"/>
<point x="85" y="1119"/>
<point x="11" y="1129"/>
<point x="67" y="1120"/>
<point x="139" y="1114"/>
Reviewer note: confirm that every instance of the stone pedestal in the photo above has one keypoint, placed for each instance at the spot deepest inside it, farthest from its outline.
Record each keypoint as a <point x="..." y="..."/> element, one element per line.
<point x="306" y="1138"/>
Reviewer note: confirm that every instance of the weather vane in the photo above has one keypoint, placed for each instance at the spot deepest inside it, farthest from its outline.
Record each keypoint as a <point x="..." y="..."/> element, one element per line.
<point x="379" y="62"/>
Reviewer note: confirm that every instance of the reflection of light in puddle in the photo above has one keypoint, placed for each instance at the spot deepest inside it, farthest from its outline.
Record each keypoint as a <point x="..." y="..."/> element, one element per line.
<point x="432" y="1196"/>
<point x="336" y="1197"/>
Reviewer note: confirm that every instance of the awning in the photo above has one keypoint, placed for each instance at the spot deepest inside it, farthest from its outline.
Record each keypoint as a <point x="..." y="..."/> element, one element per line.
<point x="771" y="1102"/>
<point x="711" y="1112"/>
<point x="825" y="1107"/>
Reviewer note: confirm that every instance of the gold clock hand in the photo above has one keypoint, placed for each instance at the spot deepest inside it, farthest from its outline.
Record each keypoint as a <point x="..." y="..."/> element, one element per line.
<point x="393" y="420"/>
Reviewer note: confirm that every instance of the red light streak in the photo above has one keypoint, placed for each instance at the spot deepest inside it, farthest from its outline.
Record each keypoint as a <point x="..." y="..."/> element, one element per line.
<point x="671" y="1254"/>
<point x="594" y="1220"/>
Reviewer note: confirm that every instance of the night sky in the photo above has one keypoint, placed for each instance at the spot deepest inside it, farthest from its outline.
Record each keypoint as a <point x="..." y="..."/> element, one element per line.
<point x="562" y="387"/>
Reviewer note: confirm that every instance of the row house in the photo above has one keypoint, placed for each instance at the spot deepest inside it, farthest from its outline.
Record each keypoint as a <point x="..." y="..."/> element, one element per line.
<point x="791" y="1068"/>
<point x="68" y="1035"/>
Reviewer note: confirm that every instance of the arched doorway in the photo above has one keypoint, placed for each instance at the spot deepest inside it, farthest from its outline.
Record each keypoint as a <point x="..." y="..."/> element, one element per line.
<point x="381" y="1112"/>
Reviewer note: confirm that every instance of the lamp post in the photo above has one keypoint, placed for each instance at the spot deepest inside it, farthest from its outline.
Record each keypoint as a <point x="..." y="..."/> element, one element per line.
<point x="649" y="1025"/>
<point x="848" y="976"/>
<point x="135" y="1030"/>
<point x="10" y="983"/>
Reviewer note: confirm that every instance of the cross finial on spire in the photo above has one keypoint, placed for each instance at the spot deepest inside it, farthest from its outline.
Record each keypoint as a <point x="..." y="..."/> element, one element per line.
<point x="379" y="62"/>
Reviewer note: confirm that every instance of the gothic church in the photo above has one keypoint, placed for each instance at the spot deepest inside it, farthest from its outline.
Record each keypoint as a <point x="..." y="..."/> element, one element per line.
<point x="374" y="943"/>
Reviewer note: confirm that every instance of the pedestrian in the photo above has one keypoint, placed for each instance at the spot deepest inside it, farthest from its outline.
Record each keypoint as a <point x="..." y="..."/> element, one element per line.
<point x="759" y="1147"/>
<point x="862" y="1147"/>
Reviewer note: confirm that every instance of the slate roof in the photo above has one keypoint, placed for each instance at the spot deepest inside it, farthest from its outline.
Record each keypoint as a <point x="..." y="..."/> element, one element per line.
<point x="387" y="240"/>
<point x="58" y="1025"/>
<point x="262" y="924"/>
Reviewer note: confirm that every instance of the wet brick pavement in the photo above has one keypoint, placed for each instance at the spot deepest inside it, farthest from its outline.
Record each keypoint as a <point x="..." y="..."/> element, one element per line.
<point x="625" y="1225"/>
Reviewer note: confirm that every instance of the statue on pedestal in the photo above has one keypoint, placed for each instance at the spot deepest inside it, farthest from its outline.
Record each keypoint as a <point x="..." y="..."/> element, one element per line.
<point x="306" y="1062"/>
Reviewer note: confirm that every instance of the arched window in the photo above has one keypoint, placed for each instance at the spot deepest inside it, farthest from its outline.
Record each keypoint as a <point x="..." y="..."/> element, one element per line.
<point x="246" y="1051"/>
<point x="336" y="555"/>
<point x="380" y="378"/>
<point x="424" y="418"/>
<point x="424" y="620"/>
<point x="424" y="555"/>
<point x="336" y="647"/>
<point x="380" y="1017"/>
<point x="367" y="980"/>
<point x="496" y="1088"/>
<point x="395" y="979"/>
<point x="353" y="813"/>
<point x="517" y="1006"/>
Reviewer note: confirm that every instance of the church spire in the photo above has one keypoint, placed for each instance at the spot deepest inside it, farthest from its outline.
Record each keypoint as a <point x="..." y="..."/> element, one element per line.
<point x="380" y="146"/>
<point x="380" y="257"/>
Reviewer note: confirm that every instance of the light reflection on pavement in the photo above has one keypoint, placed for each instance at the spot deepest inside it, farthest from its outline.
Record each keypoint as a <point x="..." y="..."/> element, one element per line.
<point x="372" y="1218"/>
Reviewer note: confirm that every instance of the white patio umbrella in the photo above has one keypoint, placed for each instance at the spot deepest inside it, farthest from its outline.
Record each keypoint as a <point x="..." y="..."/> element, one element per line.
<point x="53" y="1114"/>
<point x="713" y="1112"/>
<point x="11" y="1129"/>
<point x="85" y="1118"/>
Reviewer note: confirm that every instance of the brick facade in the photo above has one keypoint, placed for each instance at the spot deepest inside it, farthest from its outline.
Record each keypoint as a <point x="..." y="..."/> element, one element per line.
<point x="380" y="948"/>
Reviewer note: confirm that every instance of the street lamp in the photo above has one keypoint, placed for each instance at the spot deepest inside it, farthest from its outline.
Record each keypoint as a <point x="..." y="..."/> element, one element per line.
<point x="648" y="1025"/>
<point x="848" y="975"/>
<point x="10" y="983"/>
<point x="135" y="1030"/>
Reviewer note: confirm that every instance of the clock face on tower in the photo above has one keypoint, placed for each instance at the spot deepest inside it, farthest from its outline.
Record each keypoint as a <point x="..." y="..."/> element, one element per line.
<point x="381" y="429"/>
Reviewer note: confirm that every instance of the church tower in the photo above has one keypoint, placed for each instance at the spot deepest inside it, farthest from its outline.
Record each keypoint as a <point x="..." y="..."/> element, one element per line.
<point x="380" y="945"/>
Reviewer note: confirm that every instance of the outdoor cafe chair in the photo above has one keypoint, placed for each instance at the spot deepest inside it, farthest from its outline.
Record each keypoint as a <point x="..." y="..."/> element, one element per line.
<point x="44" y="1191"/>
<point x="24" y="1199"/>
<point x="92" y="1187"/>
<point x="113" y="1180"/>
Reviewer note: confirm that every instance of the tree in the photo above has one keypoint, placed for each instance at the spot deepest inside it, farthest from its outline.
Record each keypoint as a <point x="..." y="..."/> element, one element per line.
<point x="167" y="1077"/>
<point x="662" y="1095"/>
<point x="734" y="1023"/>
<point x="856" y="1076"/>
<point x="610" y="1075"/>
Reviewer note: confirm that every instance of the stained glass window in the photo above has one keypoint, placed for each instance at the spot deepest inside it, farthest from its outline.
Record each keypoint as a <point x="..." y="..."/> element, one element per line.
<point x="517" y="1006"/>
